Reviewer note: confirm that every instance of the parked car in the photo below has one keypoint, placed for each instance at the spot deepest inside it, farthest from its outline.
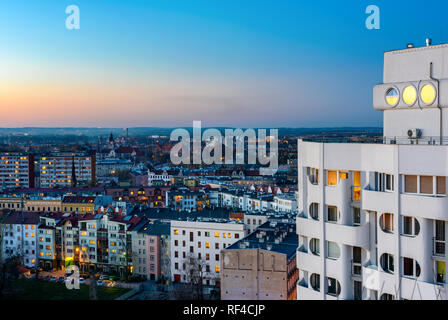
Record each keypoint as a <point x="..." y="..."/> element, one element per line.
<point x="99" y="283"/>
<point x="61" y="279"/>
<point x="33" y="277"/>
<point x="82" y="281"/>
<point x="47" y="278"/>
<point x="53" y="279"/>
<point x="104" y="277"/>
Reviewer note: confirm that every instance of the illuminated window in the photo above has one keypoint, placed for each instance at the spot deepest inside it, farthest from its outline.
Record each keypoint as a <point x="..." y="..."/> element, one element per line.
<point x="332" y="177"/>
<point x="83" y="233"/>
<point x="217" y="269"/>
<point x="41" y="254"/>
<point x="428" y="94"/>
<point x="176" y="231"/>
<point x="409" y="95"/>
<point x="343" y="175"/>
<point x="92" y="241"/>
<point x="207" y="244"/>
<point x="216" y="234"/>
<point x="392" y="97"/>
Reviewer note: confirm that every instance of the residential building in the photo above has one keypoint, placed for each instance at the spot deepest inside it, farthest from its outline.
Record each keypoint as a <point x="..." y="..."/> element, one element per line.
<point x="67" y="169"/>
<point x="16" y="170"/>
<point x="201" y="241"/>
<point x="372" y="214"/>
<point x="20" y="237"/>
<point x="261" y="266"/>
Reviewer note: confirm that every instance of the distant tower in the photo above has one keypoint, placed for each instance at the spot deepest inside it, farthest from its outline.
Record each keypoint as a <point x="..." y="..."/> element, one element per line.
<point x="111" y="142"/>
<point x="74" y="181"/>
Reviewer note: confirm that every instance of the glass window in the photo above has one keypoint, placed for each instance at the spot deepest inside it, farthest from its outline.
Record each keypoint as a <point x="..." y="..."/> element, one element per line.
<point x="410" y="184"/>
<point x="333" y="251"/>
<point x="332" y="178"/>
<point x="315" y="246"/>
<point x="332" y="214"/>
<point x="428" y="94"/>
<point x="409" y="95"/>
<point x="392" y="97"/>
<point x="426" y="184"/>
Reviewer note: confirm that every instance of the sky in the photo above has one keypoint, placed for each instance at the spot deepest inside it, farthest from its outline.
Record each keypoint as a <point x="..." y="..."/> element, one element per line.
<point x="234" y="63"/>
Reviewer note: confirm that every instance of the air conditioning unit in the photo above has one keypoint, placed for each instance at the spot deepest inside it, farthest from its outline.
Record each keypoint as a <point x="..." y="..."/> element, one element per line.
<point x="414" y="133"/>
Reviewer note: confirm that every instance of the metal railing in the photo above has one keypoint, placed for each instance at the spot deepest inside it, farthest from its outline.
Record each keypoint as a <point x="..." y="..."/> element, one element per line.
<point x="429" y="140"/>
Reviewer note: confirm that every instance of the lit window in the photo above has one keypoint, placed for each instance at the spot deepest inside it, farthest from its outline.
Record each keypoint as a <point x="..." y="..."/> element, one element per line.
<point x="409" y="95"/>
<point x="216" y="234"/>
<point x="207" y="244"/>
<point x="392" y="97"/>
<point x="176" y="231"/>
<point x="217" y="269"/>
<point x="428" y="94"/>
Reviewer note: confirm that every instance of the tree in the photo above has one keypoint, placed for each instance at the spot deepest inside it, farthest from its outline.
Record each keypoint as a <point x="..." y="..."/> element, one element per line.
<point x="196" y="273"/>
<point x="9" y="270"/>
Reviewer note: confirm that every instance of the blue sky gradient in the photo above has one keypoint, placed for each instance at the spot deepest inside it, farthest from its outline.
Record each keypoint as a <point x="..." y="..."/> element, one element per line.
<point x="251" y="63"/>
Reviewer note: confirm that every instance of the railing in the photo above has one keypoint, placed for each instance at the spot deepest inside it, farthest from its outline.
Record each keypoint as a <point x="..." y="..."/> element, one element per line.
<point x="438" y="248"/>
<point x="429" y="140"/>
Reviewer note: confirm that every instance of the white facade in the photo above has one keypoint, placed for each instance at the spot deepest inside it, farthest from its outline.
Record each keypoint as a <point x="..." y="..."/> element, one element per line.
<point x="372" y="217"/>
<point x="203" y="240"/>
<point x="20" y="240"/>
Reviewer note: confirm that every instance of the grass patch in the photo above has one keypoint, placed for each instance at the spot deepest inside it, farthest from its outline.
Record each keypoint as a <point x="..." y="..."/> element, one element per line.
<point x="39" y="290"/>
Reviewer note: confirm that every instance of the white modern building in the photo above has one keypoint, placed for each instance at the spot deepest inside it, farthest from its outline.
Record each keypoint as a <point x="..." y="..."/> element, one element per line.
<point x="372" y="216"/>
<point x="203" y="241"/>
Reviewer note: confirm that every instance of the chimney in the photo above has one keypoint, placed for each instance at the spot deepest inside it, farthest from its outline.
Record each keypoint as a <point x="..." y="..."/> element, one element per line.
<point x="428" y="42"/>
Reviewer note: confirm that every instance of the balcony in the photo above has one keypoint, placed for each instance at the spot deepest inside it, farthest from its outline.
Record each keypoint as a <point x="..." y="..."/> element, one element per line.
<point x="357" y="236"/>
<point x="380" y="201"/>
<point x="425" y="291"/>
<point x="308" y="227"/>
<point x="309" y="262"/>
<point x="308" y="293"/>
<point x="425" y="206"/>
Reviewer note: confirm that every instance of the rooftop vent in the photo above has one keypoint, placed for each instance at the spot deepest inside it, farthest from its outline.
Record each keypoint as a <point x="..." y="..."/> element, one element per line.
<point x="410" y="45"/>
<point x="428" y="42"/>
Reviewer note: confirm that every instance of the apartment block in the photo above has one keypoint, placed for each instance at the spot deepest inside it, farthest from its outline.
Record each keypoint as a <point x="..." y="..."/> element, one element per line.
<point x="20" y="237"/>
<point x="16" y="170"/>
<point x="200" y="243"/>
<point x="373" y="214"/>
<point x="59" y="170"/>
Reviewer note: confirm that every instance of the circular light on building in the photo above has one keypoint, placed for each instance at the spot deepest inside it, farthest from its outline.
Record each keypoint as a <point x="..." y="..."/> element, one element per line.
<point x="392" y="97"/>
<point x="428" y="94"/>
<point x="409" y="95"/>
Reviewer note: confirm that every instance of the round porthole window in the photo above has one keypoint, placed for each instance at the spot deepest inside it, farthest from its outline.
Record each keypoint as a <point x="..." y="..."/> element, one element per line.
<point x="392" y="97"/>
<point x="409" y="95"/>
<point x="428" y="94"/>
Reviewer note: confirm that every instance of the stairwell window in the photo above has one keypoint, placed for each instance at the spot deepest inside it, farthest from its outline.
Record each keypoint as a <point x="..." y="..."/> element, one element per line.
<point x="332" y="214"/>
<point x="356" y="216"/>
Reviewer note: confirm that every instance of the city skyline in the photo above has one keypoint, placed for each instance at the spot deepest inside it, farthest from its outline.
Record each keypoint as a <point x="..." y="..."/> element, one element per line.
<point x="233" y="63"/>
